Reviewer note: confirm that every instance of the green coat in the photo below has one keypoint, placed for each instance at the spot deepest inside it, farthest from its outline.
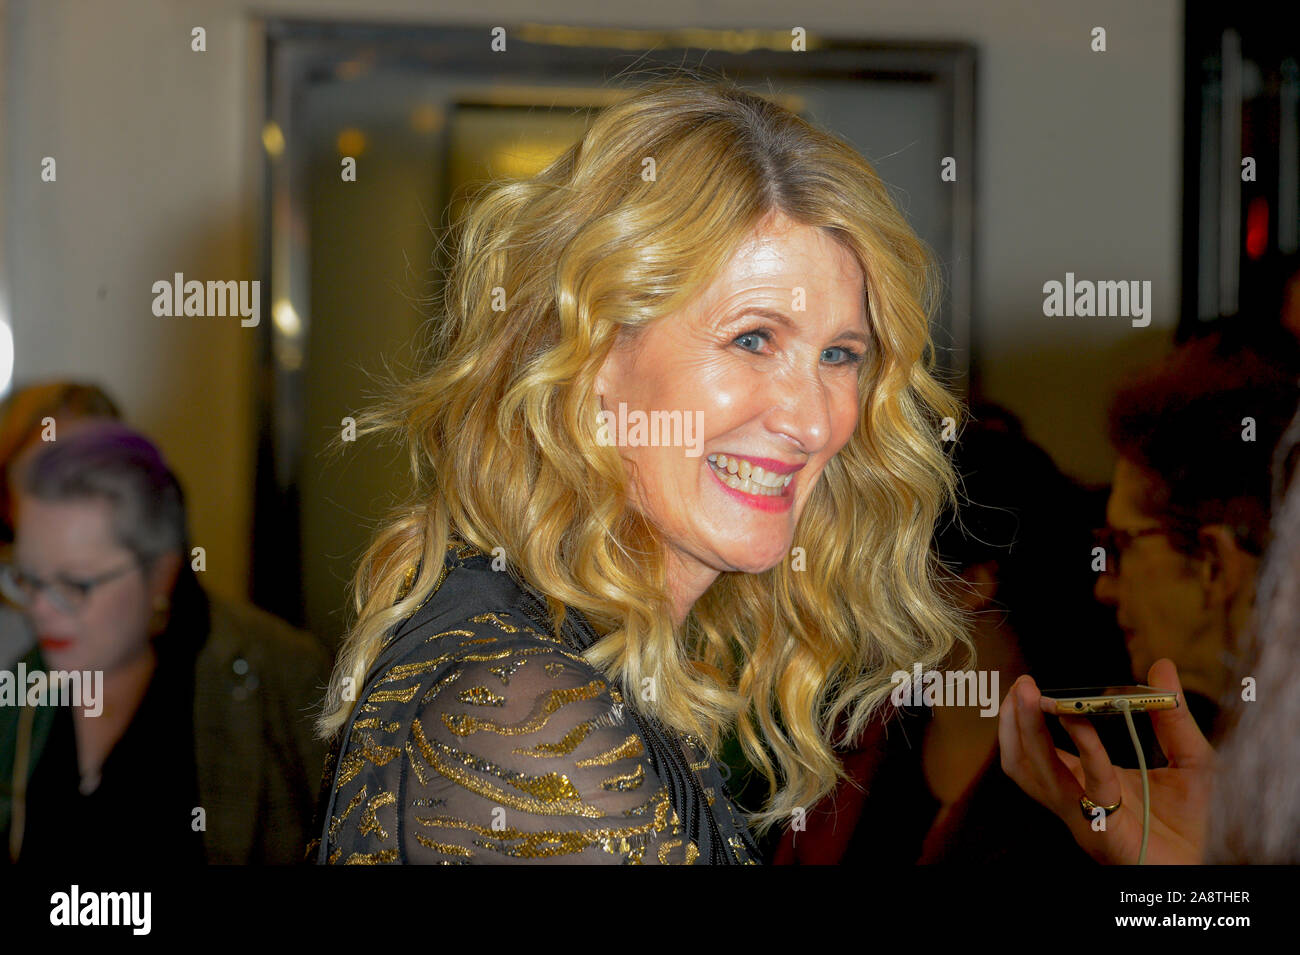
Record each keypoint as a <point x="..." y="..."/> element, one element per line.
<point x="258" y="685"/>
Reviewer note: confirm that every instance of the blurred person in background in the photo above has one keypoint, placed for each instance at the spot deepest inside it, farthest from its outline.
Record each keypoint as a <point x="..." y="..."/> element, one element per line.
<point x="1188" y="516"/>
<point x="203" y="749"/>
<point x="29" y="417"/>
<point x="1189" y="511"/>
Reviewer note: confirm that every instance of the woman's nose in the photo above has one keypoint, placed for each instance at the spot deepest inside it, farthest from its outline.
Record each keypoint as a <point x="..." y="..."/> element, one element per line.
<point x="801" y="410"/>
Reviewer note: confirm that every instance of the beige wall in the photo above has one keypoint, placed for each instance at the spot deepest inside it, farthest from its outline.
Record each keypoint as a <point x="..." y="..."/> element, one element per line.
<point x="1078" y="169"/>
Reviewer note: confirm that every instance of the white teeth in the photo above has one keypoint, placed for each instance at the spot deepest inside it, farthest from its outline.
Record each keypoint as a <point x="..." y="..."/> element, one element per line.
<point x="749" y="478"/>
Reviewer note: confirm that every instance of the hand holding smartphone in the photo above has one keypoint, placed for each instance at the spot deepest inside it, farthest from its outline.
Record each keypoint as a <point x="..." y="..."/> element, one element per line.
<point x="1179" y="793"/>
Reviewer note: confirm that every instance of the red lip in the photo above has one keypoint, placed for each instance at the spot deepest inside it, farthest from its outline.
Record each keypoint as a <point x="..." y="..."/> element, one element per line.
<point x="770" y="465"/>
<point x="54" y="643"/>
<point x="774" y="504"/>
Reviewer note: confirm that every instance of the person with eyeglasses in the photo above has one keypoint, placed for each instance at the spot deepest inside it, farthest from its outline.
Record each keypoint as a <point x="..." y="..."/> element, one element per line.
<point x="1188" y="522"/>
<point x="201" y="748"/>
<point x="29" y="417"/>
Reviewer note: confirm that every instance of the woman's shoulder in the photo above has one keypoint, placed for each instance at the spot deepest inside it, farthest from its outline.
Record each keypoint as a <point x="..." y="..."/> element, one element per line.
<point x="479" y="657"/>
<point x="476" y="600"/>
<point x="476" y="646"/>
<point x="502" y="745"/>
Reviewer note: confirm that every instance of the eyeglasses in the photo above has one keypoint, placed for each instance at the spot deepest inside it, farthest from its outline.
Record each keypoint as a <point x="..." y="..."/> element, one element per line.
<point x="66" y="594"/>
<point x="1115" y="541"/>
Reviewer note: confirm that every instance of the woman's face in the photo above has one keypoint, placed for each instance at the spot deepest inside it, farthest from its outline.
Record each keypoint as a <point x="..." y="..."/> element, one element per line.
<point x="766" y="361"/>
<point x="74" y="541"/>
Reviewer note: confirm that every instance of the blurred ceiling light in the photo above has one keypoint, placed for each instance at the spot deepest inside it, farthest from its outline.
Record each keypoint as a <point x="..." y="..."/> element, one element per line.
<point x="287" y="322"/>
<point x="351" y="142"/>
<point x="273" y="139"/>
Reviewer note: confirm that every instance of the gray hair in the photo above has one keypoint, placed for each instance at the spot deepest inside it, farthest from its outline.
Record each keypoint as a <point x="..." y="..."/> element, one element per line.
<point x="1255" y="809"/>
<point x="109" y="461"/>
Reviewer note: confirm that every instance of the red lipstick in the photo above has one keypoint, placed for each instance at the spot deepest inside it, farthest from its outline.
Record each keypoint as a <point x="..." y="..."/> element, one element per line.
<point x="773" y="504"/>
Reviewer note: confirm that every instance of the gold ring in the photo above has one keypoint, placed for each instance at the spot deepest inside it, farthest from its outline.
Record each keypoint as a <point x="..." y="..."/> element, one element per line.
<point x="1090" y="808"/>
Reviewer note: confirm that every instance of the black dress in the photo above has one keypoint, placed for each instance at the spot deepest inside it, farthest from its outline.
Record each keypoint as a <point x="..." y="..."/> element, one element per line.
<point x="482" y="737"/>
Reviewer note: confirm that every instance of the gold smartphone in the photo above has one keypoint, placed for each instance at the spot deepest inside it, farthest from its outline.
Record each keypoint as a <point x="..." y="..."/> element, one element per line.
<point x="1101" y="700"/>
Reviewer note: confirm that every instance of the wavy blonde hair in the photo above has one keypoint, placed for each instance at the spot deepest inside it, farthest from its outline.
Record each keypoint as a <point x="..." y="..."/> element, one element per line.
<point x="502" y="433"/>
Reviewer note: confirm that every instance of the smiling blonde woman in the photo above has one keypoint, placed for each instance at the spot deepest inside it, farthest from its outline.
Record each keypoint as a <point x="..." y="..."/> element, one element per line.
<point x="553" y="639"/>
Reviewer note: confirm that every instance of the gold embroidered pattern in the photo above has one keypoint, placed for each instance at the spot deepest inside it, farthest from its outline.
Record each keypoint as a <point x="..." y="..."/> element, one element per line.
<point x="356" y="759"/>
<point x="550" y="794"/>
<point x="464" y="725"/>
<point x="394" y="696"/>
<point x="625" y="782"/>
<point x="691" y="852"/>
<point x="451" y="633"/>
<point x="446" y="847"/>
<point x="567" y="744"/>
<point x="481" y="696"/>
<point x="550" y="842"/>
<point x="369" y="823"/>
<point x="417" y="766"/>
<point x="407" y="582"/>
<point x="373" y="724"/>
<point x="372" y="858"/>
<point x="630" y="748"/>
<point x="425" y="776"/>
<point x="506" y="670"/>
<point x="442" y="684"/>
<point x="338" y="820"/>
<point x="496" y="620"/>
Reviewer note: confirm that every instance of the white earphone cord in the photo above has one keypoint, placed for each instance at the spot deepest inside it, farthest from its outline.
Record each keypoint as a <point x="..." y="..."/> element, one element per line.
<point x="1146" y="786"/>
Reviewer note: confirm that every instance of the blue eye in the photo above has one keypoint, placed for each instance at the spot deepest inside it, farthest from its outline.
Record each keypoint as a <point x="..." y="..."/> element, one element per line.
<point x="760" y="334"/>
<point x="838" y="354"/>
<point x="850" y="357"/>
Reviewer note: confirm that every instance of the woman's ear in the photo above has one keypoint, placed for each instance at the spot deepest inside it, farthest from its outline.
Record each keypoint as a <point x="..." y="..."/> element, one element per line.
<point x="606" y="377"/>
<point x="1225" y="565"/>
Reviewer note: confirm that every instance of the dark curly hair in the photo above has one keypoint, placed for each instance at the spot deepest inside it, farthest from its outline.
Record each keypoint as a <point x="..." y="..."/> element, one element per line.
<point x="1184" y="424"/>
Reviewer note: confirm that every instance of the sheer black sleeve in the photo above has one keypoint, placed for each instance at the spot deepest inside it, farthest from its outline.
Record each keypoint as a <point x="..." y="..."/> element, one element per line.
<point x="515" y="751"/>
